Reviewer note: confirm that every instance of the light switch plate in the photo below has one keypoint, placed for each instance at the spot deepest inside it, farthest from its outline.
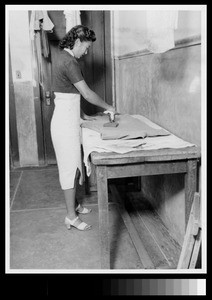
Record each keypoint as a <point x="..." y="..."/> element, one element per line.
<point x="18" y="74"/>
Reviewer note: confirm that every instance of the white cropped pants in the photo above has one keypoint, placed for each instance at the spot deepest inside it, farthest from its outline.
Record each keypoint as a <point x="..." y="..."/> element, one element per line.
<point x="66" y="138"/>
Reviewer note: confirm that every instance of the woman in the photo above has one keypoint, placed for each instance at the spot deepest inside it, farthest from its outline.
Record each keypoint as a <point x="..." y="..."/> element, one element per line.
<point x="68" y="85"/>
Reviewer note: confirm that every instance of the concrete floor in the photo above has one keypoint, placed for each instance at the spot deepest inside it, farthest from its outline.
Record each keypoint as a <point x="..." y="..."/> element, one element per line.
<point x="39" y="239"/>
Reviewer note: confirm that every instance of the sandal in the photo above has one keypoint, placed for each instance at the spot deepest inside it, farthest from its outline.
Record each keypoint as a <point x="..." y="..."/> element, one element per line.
<point x="83" y="210"/>
<point x="81" y="226"/>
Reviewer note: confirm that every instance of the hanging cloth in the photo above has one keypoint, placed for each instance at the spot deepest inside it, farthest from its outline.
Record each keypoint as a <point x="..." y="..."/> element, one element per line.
<point x="72" y="18"/>
<point x="47" y="23"/>
<point x="160" y="30"/>
<point x="46" y="26"/>
<point x="40" y="22"/>
<point x="45" y="49"/>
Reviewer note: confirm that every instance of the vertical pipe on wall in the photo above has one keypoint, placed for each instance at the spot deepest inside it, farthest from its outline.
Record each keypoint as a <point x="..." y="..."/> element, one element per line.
<point x="113" y="58"/>
<point x="108" y="58"/>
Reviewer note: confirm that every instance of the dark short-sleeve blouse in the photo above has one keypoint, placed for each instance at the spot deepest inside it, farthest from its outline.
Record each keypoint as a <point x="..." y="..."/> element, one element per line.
<point x="67" y="71"/>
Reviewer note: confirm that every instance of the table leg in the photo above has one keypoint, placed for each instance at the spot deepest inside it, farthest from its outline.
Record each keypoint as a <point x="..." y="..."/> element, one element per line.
<point x="102" y="192"/>
<point x="87" y="187"/>
<point x="190" y="186"/>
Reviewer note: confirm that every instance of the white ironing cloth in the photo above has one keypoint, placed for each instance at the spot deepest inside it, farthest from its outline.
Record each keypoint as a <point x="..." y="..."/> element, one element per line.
<point x="91" y="141"/>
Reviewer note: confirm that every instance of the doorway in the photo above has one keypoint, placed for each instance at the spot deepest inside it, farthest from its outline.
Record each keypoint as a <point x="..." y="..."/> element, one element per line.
<point x="96" y="68"/>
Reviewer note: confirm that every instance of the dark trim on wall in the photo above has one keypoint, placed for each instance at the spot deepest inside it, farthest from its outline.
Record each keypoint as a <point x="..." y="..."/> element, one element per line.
<point x="13" y="133"/>
<point x="190" y="41"/>
<point x="186" y="42"/>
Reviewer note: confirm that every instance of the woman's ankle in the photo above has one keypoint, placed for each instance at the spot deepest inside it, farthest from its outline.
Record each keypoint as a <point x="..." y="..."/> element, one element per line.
<point x="71" y="216"/>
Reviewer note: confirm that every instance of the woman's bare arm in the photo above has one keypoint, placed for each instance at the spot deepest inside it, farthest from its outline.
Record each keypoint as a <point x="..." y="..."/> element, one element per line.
<point x="91" y="96"/>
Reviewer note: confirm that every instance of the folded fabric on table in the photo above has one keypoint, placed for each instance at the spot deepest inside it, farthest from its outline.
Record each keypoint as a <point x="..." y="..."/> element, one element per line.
<point x="128" y="128"/>
<point x="92" y="142"/>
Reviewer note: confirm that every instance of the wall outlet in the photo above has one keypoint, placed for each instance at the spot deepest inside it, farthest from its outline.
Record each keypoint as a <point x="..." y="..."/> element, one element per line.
<point x="18" y="74"/>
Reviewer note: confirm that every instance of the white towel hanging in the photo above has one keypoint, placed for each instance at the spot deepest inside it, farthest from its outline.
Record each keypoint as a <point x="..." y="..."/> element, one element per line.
<point x="160" y="30"/>
<point x="47" y="23"/>
<point x="72" y="18"/>
<point x="35" y="18"/>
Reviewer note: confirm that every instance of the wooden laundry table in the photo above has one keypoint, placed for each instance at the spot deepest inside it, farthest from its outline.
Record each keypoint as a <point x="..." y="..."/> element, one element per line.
<point x="140" y="163"/>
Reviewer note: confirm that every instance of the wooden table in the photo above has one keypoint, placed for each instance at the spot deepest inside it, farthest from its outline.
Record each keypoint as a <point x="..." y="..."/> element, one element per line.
<point x="140" y="163"/>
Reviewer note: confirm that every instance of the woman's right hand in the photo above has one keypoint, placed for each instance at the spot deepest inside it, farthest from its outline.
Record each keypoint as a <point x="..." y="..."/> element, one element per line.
<point x="112" y="109"/>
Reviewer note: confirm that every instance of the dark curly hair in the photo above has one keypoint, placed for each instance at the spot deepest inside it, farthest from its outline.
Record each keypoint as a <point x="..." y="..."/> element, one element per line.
<point x="79" y="31"/>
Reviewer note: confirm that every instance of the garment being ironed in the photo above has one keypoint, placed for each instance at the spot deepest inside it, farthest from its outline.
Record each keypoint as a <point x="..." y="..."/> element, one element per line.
<point x="128" y="128"/>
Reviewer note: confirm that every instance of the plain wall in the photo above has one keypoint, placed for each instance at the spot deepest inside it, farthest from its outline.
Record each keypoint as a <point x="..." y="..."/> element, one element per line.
<point x="21" y="60"/>
<point x="166" y="88"/>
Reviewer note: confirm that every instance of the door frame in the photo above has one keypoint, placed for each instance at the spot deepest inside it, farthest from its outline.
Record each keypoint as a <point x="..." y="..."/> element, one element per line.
<point x="38" y="110"/>
<point x="13" y="133"/>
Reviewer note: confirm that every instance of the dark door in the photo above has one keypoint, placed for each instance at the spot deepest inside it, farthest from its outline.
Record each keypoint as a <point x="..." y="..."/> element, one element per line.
<point x="96" y="67"/>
